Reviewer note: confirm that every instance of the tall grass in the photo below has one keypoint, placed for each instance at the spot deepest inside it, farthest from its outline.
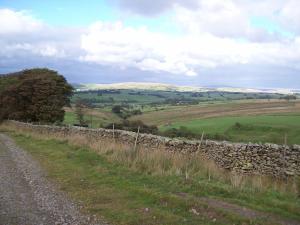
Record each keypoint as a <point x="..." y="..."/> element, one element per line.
<point x="193" y="167"/>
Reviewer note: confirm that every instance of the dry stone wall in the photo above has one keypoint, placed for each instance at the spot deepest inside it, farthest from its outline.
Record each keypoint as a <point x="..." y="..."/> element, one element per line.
<point x="267" y="159"/>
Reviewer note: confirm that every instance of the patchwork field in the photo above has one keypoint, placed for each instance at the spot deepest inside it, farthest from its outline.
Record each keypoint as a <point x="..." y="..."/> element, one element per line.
<point x="242" y="117"/>
<point x="141" y="98"/>
<point x="219" y="109"/>
<point x="260" y="121"/>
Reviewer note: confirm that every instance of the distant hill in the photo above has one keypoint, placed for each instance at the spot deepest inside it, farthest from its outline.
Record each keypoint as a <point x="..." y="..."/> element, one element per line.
<point x="6" y="79"/>
<point x="169" y="87"/>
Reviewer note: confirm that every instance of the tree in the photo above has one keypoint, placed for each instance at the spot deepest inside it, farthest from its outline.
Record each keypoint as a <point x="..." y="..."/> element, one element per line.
<point x="79" y="111"/>
<point x="36" y="95"/>
<point x="116" y="109"/>
<point x="290" y="97"/>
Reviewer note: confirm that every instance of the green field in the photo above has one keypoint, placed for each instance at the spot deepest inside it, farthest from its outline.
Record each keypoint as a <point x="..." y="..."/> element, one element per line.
<point x="237" y="117"/>
<point x="141" y="98"/>
<point x="95" y="118"/>
<point x="122" y="194"/>
<point x="260" y="128"/>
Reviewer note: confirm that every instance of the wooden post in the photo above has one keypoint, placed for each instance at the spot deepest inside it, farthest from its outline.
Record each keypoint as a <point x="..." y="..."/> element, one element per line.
<point x="91" y="121"/>
<point x="114" y="131"/>
<point x="136" y="139"/>
<point x="285" y="139"/>
<point x="186" y="173"/>
<point x="201" y="141"/>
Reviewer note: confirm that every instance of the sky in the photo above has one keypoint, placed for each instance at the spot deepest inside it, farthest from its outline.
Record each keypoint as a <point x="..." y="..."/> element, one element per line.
<point x="232" y="43"/>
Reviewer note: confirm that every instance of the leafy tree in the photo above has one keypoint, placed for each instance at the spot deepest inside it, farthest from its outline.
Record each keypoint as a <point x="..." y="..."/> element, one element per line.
<point x="133" y="126"/>
<point x="290" y="97"/>
<point x="117" y="109"/>
<point x="79" y="111"/>
<point x="36" y="95"/>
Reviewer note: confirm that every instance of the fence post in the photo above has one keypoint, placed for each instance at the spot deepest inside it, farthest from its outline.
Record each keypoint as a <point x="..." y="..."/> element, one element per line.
<point x="136" y="139"/>
<point x="285" y="139"/>
<point x="114" y="132"/>
<point x="91" y="120"/>
<point x="201" y="141"/>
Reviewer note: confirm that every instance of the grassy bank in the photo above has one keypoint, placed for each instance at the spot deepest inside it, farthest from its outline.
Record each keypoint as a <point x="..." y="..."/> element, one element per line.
<point x="140" y="187"/>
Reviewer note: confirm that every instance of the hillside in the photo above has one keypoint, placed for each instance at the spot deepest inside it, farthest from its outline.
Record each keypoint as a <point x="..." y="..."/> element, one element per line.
<point x="170" y="87"/>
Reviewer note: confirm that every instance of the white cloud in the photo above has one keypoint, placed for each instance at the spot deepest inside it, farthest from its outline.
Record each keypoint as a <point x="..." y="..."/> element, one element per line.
<point x="22" y="34"/>
<point x="218" y="17"/>
<point x="112" y="43"/>
<point x="233" y="18"/>
<point x="17" y="22"/>
<point x="153" y="7"/>
<point x="115" y="44"/>
<point x="224" y="18"/>
<point x="289" y="15"/>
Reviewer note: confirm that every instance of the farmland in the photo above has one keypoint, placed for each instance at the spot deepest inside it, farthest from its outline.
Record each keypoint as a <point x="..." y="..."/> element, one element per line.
<point x="155" y="98"/>
<point x="95" y="117"/>
<point x="238" y="117"/>
<point x="277" y="128"/>
<point x="219" y="109"/>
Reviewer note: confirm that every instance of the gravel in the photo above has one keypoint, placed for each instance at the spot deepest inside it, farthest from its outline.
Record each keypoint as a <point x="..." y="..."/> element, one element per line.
<point x="27" y="197"/>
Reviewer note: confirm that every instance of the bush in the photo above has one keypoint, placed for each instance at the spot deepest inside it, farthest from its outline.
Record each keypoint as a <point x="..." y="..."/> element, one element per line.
<point x="237" y="125"/>
<point x="133" y="126"/>
<point x="180" y="132"/>
<point x="117" y="109"/>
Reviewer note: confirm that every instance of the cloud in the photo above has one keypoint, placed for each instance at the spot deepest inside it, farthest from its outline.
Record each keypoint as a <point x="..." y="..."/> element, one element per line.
<point x="224" y="18"/>
<point x="22" y="34"/>
<point x="199" y="52"/>
<point x="115" y="44"/>
<point x="146" y="50"/>
<point x="218" y="17"/>
<point x="289" y="15"/>
<point x="233" y="18"/>
<point x="154" y="7"/>
<point x="17" y="22"/>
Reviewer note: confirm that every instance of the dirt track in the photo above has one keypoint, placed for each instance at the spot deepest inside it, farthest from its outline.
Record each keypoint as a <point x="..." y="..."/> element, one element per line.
<point x="26" y="197"/>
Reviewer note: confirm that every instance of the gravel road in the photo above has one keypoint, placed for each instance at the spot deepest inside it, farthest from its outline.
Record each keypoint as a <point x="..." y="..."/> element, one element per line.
<point x="27" y="197"/>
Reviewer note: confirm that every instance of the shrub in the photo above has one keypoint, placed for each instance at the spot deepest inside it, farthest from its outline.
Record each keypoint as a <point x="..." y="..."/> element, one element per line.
<point x="133" y="126"/>
<point x="180" y="132"/>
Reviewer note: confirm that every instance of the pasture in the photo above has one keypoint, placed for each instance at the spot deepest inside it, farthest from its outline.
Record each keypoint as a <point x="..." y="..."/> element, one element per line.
<point x="95" y="118"/>
<point x="155" y="98"/>
<point x="218" y="109"/>
<point x="278" y="128"/>
<point x="216" y="114"/>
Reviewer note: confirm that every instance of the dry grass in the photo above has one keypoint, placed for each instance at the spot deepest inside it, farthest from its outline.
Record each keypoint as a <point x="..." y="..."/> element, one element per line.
<point x="159" y="162"/>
